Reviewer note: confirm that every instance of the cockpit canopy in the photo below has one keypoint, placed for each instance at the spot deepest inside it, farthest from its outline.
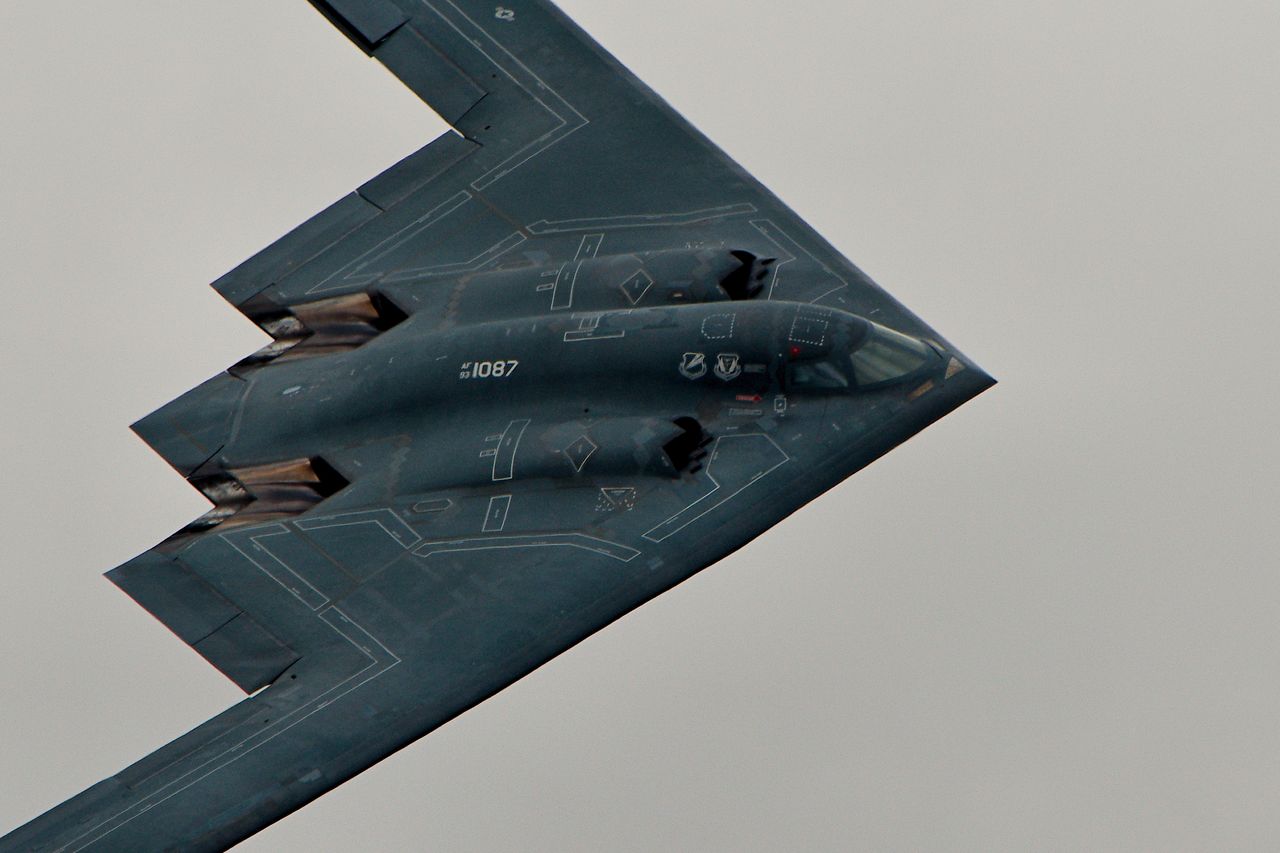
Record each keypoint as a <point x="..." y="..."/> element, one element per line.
<point x="873" y="358"/>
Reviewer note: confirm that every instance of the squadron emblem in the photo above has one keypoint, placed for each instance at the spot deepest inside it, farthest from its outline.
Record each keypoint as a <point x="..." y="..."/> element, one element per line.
<point x="693" y="365"/>
<point x="728" y="366"/>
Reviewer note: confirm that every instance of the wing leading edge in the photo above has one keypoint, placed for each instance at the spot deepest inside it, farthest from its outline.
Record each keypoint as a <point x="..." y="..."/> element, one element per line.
<point x="365" y="591"/>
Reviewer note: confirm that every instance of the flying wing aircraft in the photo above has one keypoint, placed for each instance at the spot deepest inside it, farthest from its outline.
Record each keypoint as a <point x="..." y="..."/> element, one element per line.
<point x="533" y="375"/>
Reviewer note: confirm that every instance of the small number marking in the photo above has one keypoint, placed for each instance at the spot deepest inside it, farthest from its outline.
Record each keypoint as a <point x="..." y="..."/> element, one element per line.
<point x="488" y="369"/>
<point x="502" y="13"/>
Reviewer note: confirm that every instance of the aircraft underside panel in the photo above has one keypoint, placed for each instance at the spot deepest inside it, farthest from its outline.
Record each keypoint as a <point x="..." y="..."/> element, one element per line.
<point x="542" y="370"/>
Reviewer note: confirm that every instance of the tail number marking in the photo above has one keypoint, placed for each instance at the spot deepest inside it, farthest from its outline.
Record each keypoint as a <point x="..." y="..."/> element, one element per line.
<point x="501" y="369"/>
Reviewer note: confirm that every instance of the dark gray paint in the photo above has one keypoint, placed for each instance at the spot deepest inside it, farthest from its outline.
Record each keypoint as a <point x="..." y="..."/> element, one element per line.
<point x="394" y="543"/>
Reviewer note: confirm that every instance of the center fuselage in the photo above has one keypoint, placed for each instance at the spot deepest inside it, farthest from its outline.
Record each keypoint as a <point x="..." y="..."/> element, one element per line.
<point x="666" y="362"/>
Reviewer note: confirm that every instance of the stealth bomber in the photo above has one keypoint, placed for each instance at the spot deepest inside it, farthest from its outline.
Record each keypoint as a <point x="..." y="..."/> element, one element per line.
<point x="535" y="374"/>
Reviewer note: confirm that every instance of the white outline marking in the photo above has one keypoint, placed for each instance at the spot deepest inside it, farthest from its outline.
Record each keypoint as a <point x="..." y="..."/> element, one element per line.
<point x="764" y="226"/>
<point x="349" y="274"/>
<point x="577" y="466"/>
<point x="640" y="275"/>
<point x="616" y="498"/>
<point x="589" y="329"/>
<point x="812" y="322"/>
<point x="495" y="517"/>
<point x="639" y="220"/>
<point x="562" y="298"/>
<point x="481" y="260"/>
<point x="733" y="320"/>
<point x="253" y="534"/>
<point x="504" y="455"/>
<point x="589" y="247"/>
<point x="551" y="137"/>
<point x="367" y="516"/>
<point x="261" y="735"/>
<point x="715" y="452"/>
<point x="615" y="550"/>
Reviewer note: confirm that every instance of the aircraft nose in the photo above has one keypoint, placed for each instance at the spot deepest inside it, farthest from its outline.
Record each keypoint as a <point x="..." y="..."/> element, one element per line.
<point x="951" y="368"/>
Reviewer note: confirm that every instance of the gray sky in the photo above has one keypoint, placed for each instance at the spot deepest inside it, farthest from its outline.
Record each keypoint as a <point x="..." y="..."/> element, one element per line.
<point x="1050" y="622"/>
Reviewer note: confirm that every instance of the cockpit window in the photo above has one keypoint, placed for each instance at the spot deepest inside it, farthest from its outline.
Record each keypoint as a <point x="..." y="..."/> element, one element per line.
<point x="876" y="357"/>
<point x="887" y="355"/>
<point x="817" y="375"/>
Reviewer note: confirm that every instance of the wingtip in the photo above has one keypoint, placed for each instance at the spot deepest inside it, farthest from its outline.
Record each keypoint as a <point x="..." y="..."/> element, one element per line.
<point x="192" y="429"/>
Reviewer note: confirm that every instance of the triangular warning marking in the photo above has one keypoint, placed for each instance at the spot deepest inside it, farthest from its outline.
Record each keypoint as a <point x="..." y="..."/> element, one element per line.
<point x="619" y="497"/>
